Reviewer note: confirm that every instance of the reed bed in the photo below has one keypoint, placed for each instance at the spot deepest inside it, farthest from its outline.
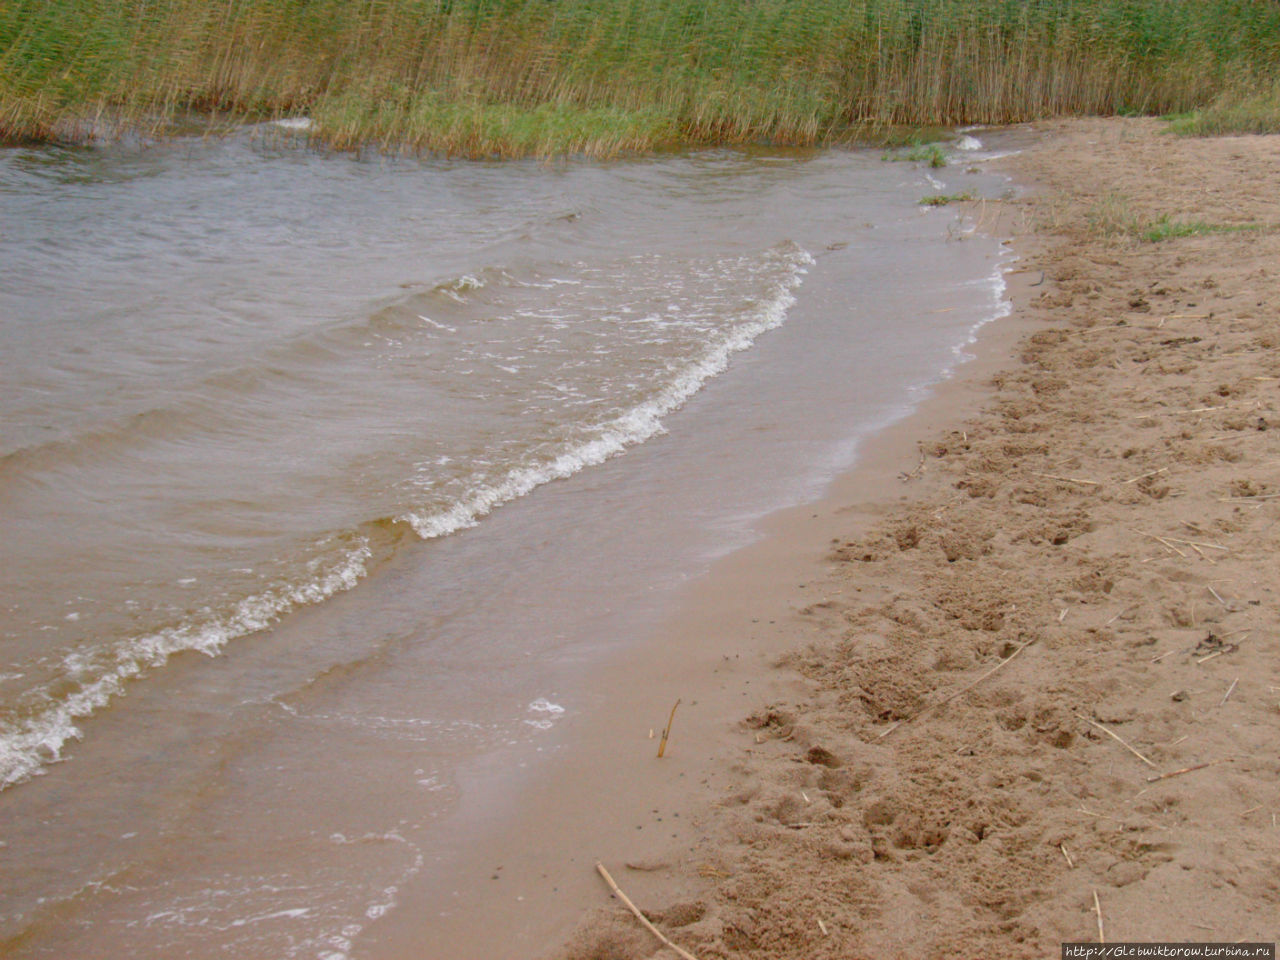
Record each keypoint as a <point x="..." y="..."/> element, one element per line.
<point x="541" y="77"/>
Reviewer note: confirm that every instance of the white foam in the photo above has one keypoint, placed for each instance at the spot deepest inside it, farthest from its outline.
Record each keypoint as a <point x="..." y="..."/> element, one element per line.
<point x="292" y="914"/>
<point x="551" y="712"/>
<point x="376" y="910"/>
<point x="457" y="288"/>
<point x="295" y="123"/>
<point x="986" y="157"/>
<point x="387" y="899"/>
<point x="30" y="744"/>
<point x="631" y="428"/>
<point x="438" y="326"/>
<point x="999" y="306"/>
<point x="968" y="143"/>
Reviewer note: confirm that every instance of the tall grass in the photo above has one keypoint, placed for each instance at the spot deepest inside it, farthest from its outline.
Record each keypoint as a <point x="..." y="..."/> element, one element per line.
<point x="546" y="76"/>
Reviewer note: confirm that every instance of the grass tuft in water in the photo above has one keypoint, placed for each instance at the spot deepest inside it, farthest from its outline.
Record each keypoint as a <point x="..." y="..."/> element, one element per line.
<point x="943" y="199"/>
<point x="932" y="154"/>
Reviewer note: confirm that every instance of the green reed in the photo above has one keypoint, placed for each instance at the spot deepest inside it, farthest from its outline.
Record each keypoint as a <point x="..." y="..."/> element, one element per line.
<point x="518" y="77"/>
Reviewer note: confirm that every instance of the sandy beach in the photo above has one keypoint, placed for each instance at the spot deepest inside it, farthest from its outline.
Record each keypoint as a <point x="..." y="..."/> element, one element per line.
<point x="1014" y="681"/>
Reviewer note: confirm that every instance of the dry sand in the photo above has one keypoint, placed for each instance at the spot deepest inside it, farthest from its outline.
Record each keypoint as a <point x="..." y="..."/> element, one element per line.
<point x="1035" y="662"/>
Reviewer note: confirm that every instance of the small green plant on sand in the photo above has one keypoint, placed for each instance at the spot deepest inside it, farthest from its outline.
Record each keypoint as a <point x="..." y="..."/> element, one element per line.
<point x="1111" y="216"/>
<point x="1167" y="229"/>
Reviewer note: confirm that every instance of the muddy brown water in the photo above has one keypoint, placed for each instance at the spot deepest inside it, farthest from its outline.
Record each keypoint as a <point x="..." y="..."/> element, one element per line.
<point x="325" y="478"/>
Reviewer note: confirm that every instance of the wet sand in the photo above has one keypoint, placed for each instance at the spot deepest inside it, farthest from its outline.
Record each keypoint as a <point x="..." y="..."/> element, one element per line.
<point x="948" y="709"/>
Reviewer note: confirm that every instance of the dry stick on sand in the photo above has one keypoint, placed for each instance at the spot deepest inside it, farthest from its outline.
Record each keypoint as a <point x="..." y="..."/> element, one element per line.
<point x="1118" y="740"/>
<point x="1193" y="544"/>
<point x="1129" y="609"/>
<point x="906" y="476"/>
<point x="666" y="731"/>
<point x="1164" y="543"/>
<point x="617" y="892"/>
<point x="1203" y="556"/>
<point x="1261" y="496"/>
<point x="960" y="692"/>
<point x="1230" y="690"/>
<point x="1196" y="543"/>
<point x="1050" y="476"/>
<point x="1231" y="648"/>
<point x="1097" y="908"/>
<point x="1145" y="475"/>
<point x="1178" y="773"/>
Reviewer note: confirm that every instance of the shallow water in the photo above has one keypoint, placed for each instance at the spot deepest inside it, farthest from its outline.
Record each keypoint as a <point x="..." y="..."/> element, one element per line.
<point x="240" y="379"/>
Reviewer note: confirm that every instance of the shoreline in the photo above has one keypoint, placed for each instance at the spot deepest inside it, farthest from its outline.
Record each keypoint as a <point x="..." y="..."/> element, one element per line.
<point x="718" y="657"/>
<point x="853" y="771"/>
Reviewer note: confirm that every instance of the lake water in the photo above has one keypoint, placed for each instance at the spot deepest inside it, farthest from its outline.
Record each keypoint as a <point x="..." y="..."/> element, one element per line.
<point x="321" y="476"/>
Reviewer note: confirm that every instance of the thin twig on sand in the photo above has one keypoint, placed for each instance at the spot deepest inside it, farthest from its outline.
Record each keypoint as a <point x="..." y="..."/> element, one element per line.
<point x="963" y="690"/>
<point x="1145" y="475"/>
<point x="1231" y="689"/>
<point x="1164" y="543"/>
<point x="1118" y="740"/>
<point x="617" y="892"/>
<point x="1097" y="908"/>
<point x="1178" y="773"/>
<point x="1261" y="496"/>
<point x="666" y="731"/>
<point x="1050" y="476"/>
<point x="906" y="476"/>
<point x="1197" y="543"/>
<point x="1229" y="648"/>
